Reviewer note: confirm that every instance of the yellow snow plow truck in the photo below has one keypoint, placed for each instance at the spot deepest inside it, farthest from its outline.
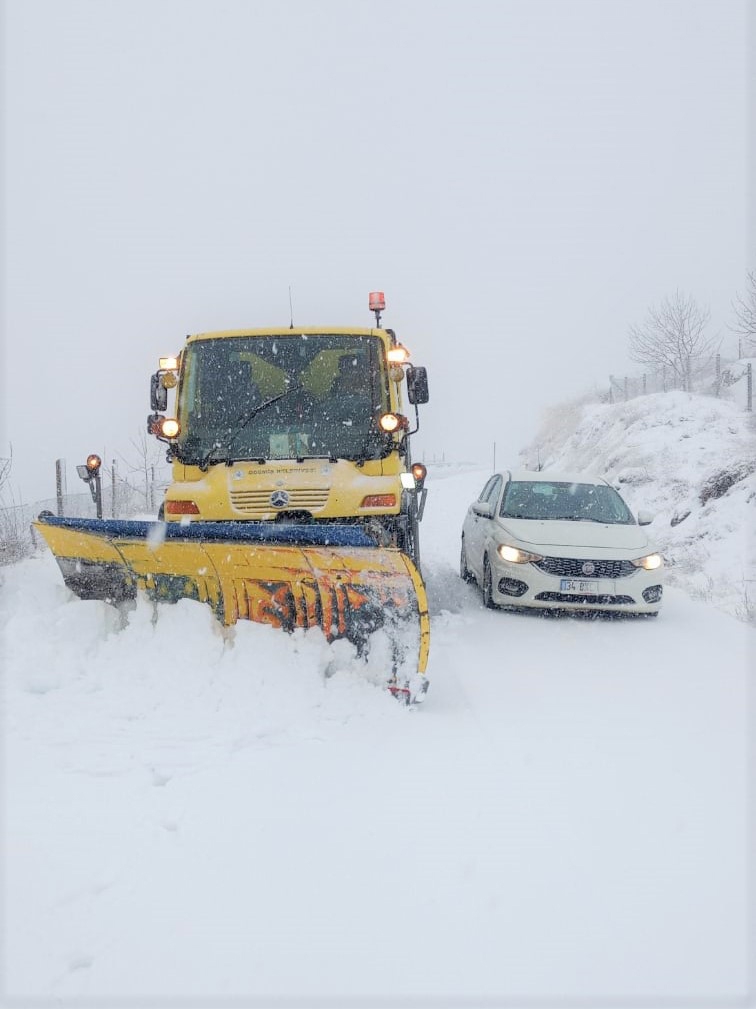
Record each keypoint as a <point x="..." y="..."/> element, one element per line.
<point x="294" y="499"/>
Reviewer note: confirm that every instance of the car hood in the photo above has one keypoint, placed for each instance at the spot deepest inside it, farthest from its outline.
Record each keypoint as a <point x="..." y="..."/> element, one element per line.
<point x="536" y="532"/>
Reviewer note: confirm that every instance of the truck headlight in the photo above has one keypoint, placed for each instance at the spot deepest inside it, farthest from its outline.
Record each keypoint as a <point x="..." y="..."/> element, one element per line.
<point x="169" y="427"/>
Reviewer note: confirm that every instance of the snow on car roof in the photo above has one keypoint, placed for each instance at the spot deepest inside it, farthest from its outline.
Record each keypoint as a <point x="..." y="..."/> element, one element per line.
<point x="552" y="476"/>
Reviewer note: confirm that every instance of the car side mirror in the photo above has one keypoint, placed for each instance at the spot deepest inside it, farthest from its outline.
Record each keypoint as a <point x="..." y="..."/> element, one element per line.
<point x="417" y="385"/>
<point x="484" y="509"/>
<point x="645" y="518"/>
<point x="158" y="393"/>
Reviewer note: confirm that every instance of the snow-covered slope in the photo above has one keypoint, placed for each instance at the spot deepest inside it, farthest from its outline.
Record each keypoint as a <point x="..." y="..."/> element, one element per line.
<point x="689" y="459"/>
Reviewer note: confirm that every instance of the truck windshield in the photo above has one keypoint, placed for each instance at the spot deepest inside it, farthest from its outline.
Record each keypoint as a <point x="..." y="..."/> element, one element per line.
<point x="282" y="397"/>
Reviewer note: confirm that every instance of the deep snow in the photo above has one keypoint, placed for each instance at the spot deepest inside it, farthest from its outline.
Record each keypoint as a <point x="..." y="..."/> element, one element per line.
<point x="197" y="817"/>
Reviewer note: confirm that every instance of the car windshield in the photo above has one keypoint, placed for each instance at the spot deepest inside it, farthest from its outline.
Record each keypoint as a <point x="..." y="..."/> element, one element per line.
<point x="571" y="502"/>
<point x="282" y="397"/>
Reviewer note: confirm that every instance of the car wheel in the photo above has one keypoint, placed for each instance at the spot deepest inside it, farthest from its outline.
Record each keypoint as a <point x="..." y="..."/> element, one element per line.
<point x="464" y="572"/>
<point x="488" y="599"/>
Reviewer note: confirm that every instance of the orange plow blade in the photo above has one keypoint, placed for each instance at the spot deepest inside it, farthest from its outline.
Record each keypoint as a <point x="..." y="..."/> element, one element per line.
<point x="290" y="577"/>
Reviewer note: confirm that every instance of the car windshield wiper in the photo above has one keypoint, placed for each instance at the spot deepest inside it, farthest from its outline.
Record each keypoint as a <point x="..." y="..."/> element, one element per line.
<point x="582" y="518"/>
<point x="221" y="452"/>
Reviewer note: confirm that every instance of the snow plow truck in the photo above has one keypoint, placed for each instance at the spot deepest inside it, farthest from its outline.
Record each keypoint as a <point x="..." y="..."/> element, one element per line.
<point x="294" y="500"/>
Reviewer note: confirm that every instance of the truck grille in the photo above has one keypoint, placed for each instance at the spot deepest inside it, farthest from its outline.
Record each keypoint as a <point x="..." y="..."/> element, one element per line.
<point x="257" y="502"/>
<point x="572" y="567"/>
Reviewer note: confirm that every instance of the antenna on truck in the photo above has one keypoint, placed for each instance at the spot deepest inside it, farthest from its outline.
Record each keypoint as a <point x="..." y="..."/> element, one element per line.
<point x="291" y="310"/>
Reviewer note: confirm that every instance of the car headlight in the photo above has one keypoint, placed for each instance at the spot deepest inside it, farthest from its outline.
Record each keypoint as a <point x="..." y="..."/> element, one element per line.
<point x="650" y="562"/>
<point x="515" y="556"/>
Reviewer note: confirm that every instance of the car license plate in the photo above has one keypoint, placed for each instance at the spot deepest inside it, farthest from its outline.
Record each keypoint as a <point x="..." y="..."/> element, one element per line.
<point x="588" y="588"/>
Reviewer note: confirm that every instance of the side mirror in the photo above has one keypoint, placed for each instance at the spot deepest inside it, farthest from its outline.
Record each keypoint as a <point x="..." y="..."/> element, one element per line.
<point x="645" y="518"/>
<point x="158" y="393"/>
<point x="417" y="385"/>
<point x="484" y="509"/>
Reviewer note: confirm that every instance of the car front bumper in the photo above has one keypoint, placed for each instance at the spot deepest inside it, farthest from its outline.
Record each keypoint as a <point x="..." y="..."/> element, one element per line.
<point x="525" y="585"/>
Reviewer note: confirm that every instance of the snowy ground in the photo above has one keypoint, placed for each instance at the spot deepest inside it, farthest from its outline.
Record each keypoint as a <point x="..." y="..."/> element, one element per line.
<point x="193" y="819"/>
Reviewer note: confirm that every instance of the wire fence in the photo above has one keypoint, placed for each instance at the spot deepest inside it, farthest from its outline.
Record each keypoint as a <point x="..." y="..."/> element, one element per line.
<point x="716" y="377"/>
<point x="120" y="499"/>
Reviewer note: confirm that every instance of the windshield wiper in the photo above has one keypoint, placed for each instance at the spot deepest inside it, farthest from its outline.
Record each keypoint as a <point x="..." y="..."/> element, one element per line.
<point x="583" y="518"/>
<point x="243" y="421"/>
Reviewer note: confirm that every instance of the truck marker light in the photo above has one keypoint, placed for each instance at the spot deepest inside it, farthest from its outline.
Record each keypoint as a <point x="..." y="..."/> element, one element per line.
<point x="181" y="508"/>
<point x="379" y="501"/>
<point x="168" y="363"/>
<point x="419" y="472"/>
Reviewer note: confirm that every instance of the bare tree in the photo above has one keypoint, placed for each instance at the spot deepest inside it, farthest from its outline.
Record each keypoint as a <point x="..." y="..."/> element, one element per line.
<point x="674" y="338"/>
<point x="149" y="467"/>
<point x="745" y="314"/>
<point x="5" y="470"/>
<point x="15" y="541"/>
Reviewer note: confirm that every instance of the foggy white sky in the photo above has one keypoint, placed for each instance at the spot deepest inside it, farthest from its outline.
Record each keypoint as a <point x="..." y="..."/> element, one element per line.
<point x="521" y="178"/>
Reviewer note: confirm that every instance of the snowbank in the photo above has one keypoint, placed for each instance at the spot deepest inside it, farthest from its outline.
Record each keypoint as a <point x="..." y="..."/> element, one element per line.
<point x="689" y="459"/>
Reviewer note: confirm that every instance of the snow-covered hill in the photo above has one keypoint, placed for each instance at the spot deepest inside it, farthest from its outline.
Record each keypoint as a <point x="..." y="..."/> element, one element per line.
<point x="689" y="459"/>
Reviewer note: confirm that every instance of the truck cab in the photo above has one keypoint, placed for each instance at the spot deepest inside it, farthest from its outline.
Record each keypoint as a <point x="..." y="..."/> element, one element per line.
<point x="294" y="425"/>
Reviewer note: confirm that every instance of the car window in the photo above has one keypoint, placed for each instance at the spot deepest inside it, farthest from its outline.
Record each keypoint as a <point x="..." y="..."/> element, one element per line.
<point x="572" y="502"/>
<point x="484" y="493"/>
<point x="493" y="491"/>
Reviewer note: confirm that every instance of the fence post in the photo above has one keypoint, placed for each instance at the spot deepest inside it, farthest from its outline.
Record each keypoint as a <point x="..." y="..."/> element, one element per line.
<point x="626" y="388"/>
<point x="749" y="385"/>
<point x="644" y="384"/>
<point x="113" y="489"/>
<point x="60" y="483"/>
<point x="611" y="388"/>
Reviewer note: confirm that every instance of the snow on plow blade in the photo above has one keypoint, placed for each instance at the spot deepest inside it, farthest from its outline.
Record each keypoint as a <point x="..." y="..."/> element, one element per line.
<point x="289" y="576"/>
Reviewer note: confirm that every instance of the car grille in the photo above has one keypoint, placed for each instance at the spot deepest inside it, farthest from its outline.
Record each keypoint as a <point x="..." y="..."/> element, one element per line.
<point x="258" y="501"/>
<point x="574" y="597"/>
<point x="572" y="567"/>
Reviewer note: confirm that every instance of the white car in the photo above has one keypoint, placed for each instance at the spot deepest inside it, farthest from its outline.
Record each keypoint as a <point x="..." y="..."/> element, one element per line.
<point x="559" y="541"/>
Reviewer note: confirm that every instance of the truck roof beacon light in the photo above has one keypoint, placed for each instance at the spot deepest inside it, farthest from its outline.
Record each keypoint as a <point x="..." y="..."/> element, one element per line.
<point x="377" y="304"/>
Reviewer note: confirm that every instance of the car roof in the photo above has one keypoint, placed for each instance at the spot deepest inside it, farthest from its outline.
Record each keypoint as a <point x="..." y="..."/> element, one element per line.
<point x="552" y="476"/>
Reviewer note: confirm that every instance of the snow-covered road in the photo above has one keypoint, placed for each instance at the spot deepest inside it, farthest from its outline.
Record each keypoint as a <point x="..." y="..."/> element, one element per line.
<point x="187" y="816"/>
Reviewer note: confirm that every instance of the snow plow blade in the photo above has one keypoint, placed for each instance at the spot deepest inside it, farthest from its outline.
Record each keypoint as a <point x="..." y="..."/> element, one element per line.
<point x="287" y="575"/>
